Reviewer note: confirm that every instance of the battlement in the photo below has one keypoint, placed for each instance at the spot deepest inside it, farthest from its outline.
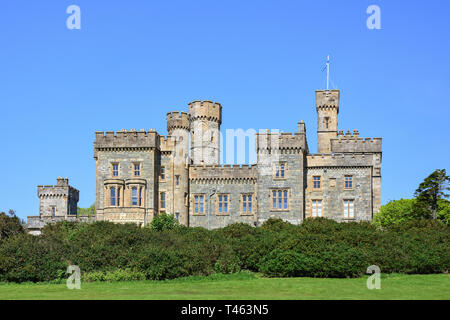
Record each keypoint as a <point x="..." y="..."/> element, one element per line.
<point x="129" y="139"/>
<point x="342" y="160"/>
<point x="282" y="141"/>
<point x="327" y="99"/>
<point x="166" y="143"/>
<point x="350" y="143"/>
<point x="206" y="110"/>
<point x="178" y="120"/>
<point x="60" y="190"/>
<point x="222" y="172"/>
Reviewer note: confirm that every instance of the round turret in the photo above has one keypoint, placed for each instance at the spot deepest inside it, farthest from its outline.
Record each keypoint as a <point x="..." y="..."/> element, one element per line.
<point x="206" y="118"/>
<point x="177" y="120"/>
<point x="206" y="110"/>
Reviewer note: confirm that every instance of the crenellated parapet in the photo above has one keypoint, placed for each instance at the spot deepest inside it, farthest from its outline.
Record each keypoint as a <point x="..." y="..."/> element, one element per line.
<point x="166" y="143"/>
<point x="60" y="190"/>
<point x="178" y="120"/>
<point x="205" y="110"/>
<point x="125" y="140"/>
<point x="343" y="160"/>
<point x="353" y="143"/>
<point x="274" y="141"/>
<point x="327" y="99"/>
<point x="224" y="173"/>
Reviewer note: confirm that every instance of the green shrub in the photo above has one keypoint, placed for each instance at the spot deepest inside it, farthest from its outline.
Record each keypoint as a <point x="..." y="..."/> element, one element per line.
<point x="114" y="276"/>
<point x="321" y="247"/>
<point x="163" y="221"/>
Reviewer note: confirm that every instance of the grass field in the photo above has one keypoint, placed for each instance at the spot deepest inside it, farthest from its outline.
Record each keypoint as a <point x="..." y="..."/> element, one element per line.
<point x="241" y="286"/>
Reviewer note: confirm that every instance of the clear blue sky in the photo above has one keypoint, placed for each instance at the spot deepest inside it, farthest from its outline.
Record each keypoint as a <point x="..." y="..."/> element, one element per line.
<point x="132" y="61"/>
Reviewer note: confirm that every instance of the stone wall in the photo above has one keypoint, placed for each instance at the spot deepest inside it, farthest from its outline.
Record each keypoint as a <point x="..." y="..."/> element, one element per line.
<point x="332" y="192"/>
<point x="197" y="132"/>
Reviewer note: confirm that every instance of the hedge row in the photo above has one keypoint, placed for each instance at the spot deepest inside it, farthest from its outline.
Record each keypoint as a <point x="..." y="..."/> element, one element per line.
<point x="316" y="248"/>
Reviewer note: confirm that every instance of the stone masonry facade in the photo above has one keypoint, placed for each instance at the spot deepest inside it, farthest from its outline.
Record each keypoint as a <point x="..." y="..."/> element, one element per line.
<point x="140" y="174"/>
<point x="56" y="203"/>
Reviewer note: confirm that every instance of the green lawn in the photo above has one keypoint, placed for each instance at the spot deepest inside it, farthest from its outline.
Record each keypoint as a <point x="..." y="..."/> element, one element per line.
<point x="241" y="286"/>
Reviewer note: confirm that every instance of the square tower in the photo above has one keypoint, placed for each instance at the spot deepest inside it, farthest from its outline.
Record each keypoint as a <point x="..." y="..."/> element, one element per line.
<point x="327" y="106"/>
<point x="58" y="201"/>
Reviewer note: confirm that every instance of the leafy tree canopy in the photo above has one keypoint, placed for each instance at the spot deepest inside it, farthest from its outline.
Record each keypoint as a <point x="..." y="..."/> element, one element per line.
<point x="87" y="211"/>
<point x="10" y="225"/>
<point x="431" y="191"/>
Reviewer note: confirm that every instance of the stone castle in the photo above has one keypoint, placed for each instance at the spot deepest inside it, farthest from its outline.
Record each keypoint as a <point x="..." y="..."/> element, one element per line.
<point x="140" y="174"/>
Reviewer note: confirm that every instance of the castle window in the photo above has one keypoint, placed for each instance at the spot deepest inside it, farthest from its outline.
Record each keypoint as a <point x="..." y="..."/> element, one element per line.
<point x="140" y="196"/>
<point x="280" y="200"/>
<point x="348" y="182"/>
<point x="137" y="169"/>
<point x="118" y="196"/>
<point x="349" y="212"/>
<point x="53" y="212"/>
<point x="134" y="196"/>
<point x="222" y="204"/>
<point x="199" y="204"/>
<point x="177" y="180"/>
<point x="316" y="182"/>
<point x="162" y="201"/>
<point x="247" y="203"/>
<point x="327" y="120"/>
<point x="317" y="208"/>
<point x="280" y="171"/>
<point x="115" y="169"/>
<point x="163" y="173"/>
<point x="113" y="197"/>
<point x="186" y="199"/>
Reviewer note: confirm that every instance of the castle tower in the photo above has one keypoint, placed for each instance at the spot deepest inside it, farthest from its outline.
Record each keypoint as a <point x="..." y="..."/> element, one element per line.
<point x="327" y="106"/>
<point x="58" y="201"/>
<point x="178" y="125"/>
<point x="206" y="117"/>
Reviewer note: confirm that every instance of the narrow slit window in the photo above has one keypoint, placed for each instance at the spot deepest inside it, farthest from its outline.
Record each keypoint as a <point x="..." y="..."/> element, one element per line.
<point x="162" y="201"/>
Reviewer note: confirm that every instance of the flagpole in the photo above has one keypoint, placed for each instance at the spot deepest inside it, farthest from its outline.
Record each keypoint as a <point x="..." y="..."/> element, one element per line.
<point x="328" y="72"/>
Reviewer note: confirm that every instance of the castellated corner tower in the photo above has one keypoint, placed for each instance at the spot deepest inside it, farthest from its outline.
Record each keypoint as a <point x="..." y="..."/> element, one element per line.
<point x="178" y="127"/>
<point x="327" y="106"/>
<point x="206" y="118"/>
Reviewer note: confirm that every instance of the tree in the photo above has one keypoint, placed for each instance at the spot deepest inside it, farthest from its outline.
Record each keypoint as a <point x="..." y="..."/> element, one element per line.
<point x="163" y="221"/>
<point x="431" y="191"/>
<point x="10" y="225"/>
<point x="395" y="212"/>
<point x="87" y="211"/>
